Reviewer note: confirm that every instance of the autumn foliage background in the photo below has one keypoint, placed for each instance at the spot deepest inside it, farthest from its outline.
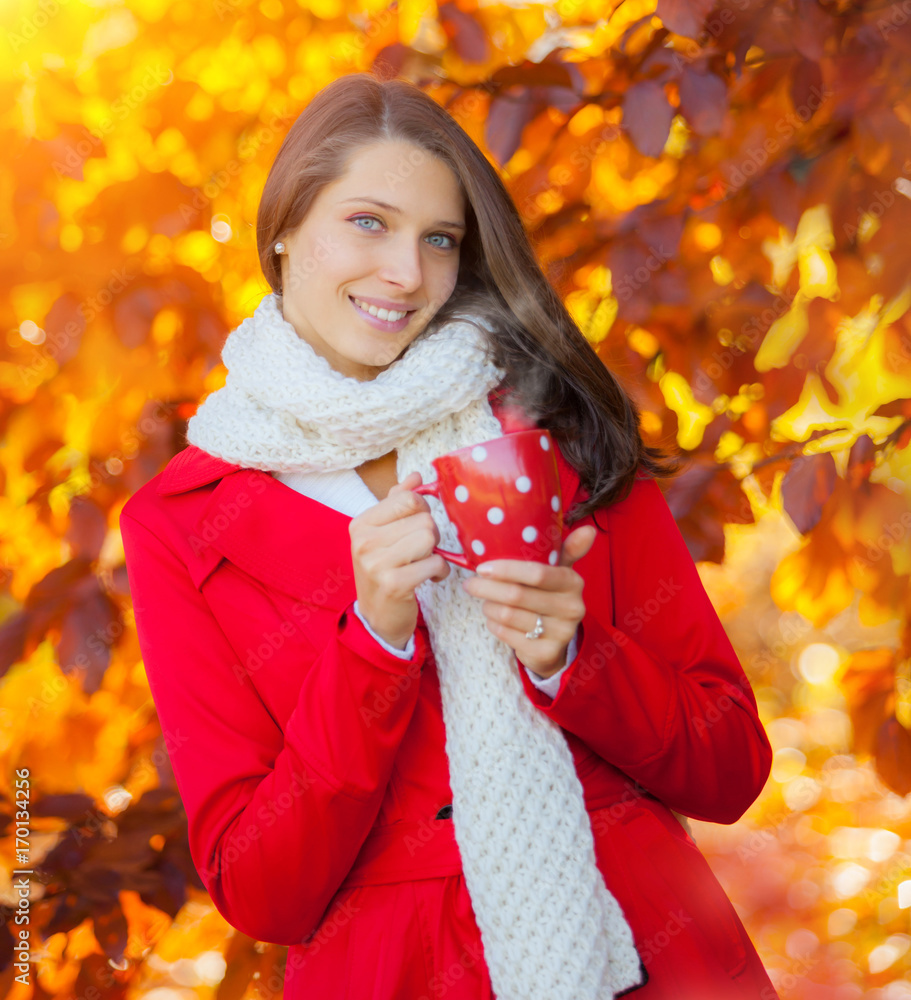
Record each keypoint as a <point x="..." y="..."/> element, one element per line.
<point x="722" y="196"/>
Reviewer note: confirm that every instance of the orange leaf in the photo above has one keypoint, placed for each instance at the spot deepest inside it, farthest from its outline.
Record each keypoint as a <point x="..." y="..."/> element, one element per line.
<point x="893" y="755"/>
<point x="868" y="684"/>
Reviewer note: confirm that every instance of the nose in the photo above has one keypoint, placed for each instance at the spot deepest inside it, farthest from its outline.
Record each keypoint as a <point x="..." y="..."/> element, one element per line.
<point x="402" y="264"/>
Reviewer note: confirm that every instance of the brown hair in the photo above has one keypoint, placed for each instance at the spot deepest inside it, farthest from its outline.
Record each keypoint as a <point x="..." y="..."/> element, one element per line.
<point x="553" y="373"/>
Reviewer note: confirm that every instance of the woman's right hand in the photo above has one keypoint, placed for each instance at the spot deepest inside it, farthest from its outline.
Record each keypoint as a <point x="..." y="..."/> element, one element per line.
<point x="392" y="546"/>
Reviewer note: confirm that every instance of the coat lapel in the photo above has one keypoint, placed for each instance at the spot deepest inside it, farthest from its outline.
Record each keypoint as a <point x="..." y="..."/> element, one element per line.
<point x="279" y="536"/>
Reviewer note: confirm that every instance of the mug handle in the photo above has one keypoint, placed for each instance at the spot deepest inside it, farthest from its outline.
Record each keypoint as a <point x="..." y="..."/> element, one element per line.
<point x="459" y="558"/>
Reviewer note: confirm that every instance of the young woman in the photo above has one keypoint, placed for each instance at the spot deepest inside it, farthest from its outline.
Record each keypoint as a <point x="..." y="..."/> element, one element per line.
<point x="431" y="782"/>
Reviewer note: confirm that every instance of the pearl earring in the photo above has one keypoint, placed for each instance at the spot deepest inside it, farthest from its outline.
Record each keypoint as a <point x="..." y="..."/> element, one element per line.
<point x="279" y="247"/>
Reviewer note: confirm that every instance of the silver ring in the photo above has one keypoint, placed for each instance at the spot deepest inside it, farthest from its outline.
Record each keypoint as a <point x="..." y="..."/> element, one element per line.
<point x="537" y="631"/>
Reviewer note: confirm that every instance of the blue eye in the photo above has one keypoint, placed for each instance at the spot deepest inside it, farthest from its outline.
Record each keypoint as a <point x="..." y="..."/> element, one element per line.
<point x="372" y="218"/>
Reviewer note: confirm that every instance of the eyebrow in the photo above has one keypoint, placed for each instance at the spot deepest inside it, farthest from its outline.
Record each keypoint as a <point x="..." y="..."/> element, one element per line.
<point x="398" y="211"/>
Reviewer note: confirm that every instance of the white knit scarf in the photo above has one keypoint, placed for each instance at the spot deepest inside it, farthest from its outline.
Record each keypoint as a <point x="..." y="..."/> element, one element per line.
<point x="550" y="928"/>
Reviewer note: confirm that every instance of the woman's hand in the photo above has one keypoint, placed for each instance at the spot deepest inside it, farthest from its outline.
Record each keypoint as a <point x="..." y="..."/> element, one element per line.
<point x="392" y="546"/>
<point x="517" y="591"/>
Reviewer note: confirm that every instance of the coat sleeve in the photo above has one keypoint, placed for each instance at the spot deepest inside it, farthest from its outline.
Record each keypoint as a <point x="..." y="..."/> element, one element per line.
<point x="656" y="688"/>
<point x="275" y="819"/>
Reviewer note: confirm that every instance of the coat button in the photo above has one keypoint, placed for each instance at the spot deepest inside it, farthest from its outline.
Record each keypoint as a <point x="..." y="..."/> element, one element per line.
<point x="444" y="813"/>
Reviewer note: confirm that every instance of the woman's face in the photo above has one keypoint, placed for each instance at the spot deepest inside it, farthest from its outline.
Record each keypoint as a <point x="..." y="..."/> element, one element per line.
<point x="402" y="255"/>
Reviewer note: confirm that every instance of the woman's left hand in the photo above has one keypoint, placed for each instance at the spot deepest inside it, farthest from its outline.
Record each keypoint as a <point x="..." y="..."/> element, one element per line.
<point x="516" y="591"/>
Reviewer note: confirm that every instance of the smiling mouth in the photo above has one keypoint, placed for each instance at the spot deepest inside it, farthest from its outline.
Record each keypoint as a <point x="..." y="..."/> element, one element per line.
<point x="391" y="315"/>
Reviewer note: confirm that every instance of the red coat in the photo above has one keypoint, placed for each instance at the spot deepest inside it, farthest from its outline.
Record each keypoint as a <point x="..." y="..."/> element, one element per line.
<point x="312" y="766"/>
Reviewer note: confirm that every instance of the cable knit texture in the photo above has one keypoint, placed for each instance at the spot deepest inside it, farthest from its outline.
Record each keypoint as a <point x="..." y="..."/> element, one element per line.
<point x="550" y="928"/>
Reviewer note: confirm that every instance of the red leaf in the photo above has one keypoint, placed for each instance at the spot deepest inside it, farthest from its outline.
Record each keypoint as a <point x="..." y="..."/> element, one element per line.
<point x="508" y="115"/>
<point x="13" y="633"/>
<point x="134" y="313"/>
<point x="861" y="460"/>
<point x="65" y="324"/>
<point x="111" y="931"/>
<point x="71" y="806"/>
<point x="703" y="101"/>
<point x="648" y="116"/>
<point x="684" y="17"/>
<point x="806" y="88"/>
<point x="893" y="755"/>
<point x="467" y="36"/>
<point x="703" y="498"/>
<point x="811" y="27"/>
<point x="69" y="912"/>
<point x="87" y="528"/>
<point x="548" y="73"/>
<point x="94" y="970"/>
<point x="49" y="596"/>
<point x="89" y="630"/>
<point x="806" y="487"/>
<point x="390" y="61"/>
<point x="564" y="99"/>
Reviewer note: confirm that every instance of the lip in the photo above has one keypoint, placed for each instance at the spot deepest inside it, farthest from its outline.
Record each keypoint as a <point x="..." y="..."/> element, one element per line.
<point x="384" y="303"/>
<point x="378" y="323"/>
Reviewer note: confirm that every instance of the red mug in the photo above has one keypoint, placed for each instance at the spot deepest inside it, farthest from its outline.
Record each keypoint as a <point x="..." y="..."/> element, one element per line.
<point x="503" y="498"/>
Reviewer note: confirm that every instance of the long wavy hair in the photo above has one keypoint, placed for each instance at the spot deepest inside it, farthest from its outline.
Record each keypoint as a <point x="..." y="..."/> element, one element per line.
<point x="552" y="372"/>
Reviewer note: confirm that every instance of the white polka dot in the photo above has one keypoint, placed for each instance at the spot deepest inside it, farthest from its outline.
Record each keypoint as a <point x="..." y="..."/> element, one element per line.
<point x="477" y="547"/>
<point x="495" y="515"/>
<point x="478" y="453"/>
<point x="523" y="484"/>
<point x="555" y="503"/>
<point x="545" y="444"/>
<point x="529" y="534"/>
<point x="553" y="557"/>
<point x="461" y="493"/>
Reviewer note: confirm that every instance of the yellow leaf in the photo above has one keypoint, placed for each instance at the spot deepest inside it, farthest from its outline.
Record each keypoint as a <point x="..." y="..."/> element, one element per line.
<point x="782" y="256"/>
<point x="857" y="367"/>
<point x="810" y="582"/>
<point x="602" y="320"/>
<point x="721" y="270"/>
<point x="783" y="336"/>
<point x="818" y="276"/>
<point x="692" y="416"/>
<point x="678" y="139"/>
<point x="815" y="411"/>
<point x="642" y="341"/>
<point x="728" y="445"/>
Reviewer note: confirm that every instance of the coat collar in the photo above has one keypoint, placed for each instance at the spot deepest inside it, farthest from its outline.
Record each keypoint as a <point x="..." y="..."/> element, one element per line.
<point x="286" y="539"/>
<point x="190" y="468"/>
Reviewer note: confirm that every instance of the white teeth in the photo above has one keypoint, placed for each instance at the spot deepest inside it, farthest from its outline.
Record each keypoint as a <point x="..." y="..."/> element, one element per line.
<point x="385" y="314"/>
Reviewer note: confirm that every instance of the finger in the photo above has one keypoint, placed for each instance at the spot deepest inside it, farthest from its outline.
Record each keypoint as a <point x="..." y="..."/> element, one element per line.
<point x="405" y="544"/>
<point x="444" y="572"/>
<point x="504" y="594"/>
<point x="577" y="544"/>
<point x="413" y="574"/>
<point x="529" y="572"/>
<point x="391" y="535"/>
<point x="546" y="646"/>
<point x="408" y="483"/>
<point x="399" y="502"/>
